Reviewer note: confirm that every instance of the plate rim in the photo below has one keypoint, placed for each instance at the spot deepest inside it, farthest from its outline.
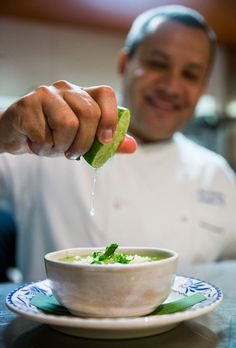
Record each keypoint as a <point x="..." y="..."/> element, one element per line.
<point x="148" y="321"/>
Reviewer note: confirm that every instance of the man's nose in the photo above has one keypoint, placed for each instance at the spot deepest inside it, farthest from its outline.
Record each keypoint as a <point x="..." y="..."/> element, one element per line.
<point x="171" y="83"/>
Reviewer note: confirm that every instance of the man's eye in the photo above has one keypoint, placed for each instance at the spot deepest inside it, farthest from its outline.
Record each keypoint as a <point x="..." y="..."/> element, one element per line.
<point x="191" y="76"/>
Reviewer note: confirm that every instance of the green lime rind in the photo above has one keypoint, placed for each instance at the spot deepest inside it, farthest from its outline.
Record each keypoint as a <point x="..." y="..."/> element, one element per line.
<point x="99" y="153"/>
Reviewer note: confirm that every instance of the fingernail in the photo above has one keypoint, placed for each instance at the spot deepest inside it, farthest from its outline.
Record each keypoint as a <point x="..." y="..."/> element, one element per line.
<point x="72" y="156"/>
<point x="106" y="135"/>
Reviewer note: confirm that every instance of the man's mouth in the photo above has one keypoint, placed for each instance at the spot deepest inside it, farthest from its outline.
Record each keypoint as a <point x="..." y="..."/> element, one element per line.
<point x="161" y="104"/>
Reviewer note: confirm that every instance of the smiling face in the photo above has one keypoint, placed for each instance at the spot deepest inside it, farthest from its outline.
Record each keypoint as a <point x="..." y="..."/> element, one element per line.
<point x="164" y="79"/>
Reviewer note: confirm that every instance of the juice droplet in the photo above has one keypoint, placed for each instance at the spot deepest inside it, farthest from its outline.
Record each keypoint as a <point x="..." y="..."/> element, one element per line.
<point x="92" y="209"/>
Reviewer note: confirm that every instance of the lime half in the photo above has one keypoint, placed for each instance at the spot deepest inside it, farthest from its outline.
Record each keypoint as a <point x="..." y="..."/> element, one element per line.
<point x="99" y="153"/>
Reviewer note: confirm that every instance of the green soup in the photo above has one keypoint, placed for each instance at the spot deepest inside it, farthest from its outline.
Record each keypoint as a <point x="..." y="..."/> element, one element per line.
<point x="110" y="257"/>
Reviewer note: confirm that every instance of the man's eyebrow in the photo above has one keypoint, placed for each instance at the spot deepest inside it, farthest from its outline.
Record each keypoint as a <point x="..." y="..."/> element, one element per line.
<point x="164" y="55"/>
<point x="157" y="53"/>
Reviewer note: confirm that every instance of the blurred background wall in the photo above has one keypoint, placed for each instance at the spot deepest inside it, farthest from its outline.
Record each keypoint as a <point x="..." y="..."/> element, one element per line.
<point x="35" y="53"/>
<point x="43" y="41"/>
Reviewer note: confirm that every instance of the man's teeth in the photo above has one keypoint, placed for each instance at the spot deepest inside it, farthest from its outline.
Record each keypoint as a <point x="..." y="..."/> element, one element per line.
<point x="162" y="104"/>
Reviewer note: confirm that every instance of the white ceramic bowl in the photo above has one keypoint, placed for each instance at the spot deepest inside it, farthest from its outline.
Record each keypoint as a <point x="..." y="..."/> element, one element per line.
<point x="113" y="290"/>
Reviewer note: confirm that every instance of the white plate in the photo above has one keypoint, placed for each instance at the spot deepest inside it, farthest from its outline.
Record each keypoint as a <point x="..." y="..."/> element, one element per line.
<point x="116" y="328"/>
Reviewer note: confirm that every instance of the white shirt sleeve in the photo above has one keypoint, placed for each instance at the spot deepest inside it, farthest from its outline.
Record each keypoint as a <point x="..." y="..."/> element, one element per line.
<point x="228" y="179"/>
<point x="5" y="184"/>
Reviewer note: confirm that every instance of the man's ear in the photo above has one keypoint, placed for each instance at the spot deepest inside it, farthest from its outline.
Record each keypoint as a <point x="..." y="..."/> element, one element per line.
<point x="122" y="61"/>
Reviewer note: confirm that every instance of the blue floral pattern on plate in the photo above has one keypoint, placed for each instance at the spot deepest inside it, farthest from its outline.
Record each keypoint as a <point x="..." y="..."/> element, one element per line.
<point x="20" y="298"/>
<point x="19" y="302"/>
<point x="187" y="286"/>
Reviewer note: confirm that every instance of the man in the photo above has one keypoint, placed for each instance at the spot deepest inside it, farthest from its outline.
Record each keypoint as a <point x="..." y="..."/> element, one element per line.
<point x="171" y="193"/>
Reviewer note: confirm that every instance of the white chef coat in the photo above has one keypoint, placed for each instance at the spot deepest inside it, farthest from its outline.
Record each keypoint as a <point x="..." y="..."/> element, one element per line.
<point x="176" y="195"/>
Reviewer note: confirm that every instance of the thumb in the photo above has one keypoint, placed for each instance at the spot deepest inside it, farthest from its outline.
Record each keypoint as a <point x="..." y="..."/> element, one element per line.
<point x="128" y="145"/>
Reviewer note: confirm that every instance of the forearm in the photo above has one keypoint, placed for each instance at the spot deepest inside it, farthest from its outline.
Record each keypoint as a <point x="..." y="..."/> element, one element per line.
<point x="11" y="140"/>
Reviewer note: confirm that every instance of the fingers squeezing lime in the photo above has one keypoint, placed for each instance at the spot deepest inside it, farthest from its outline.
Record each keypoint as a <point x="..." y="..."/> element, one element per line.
<point x="99" y="153"/>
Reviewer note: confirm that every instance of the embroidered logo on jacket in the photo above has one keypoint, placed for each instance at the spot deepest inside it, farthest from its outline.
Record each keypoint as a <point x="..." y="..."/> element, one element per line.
<point x="211" y="197"/>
